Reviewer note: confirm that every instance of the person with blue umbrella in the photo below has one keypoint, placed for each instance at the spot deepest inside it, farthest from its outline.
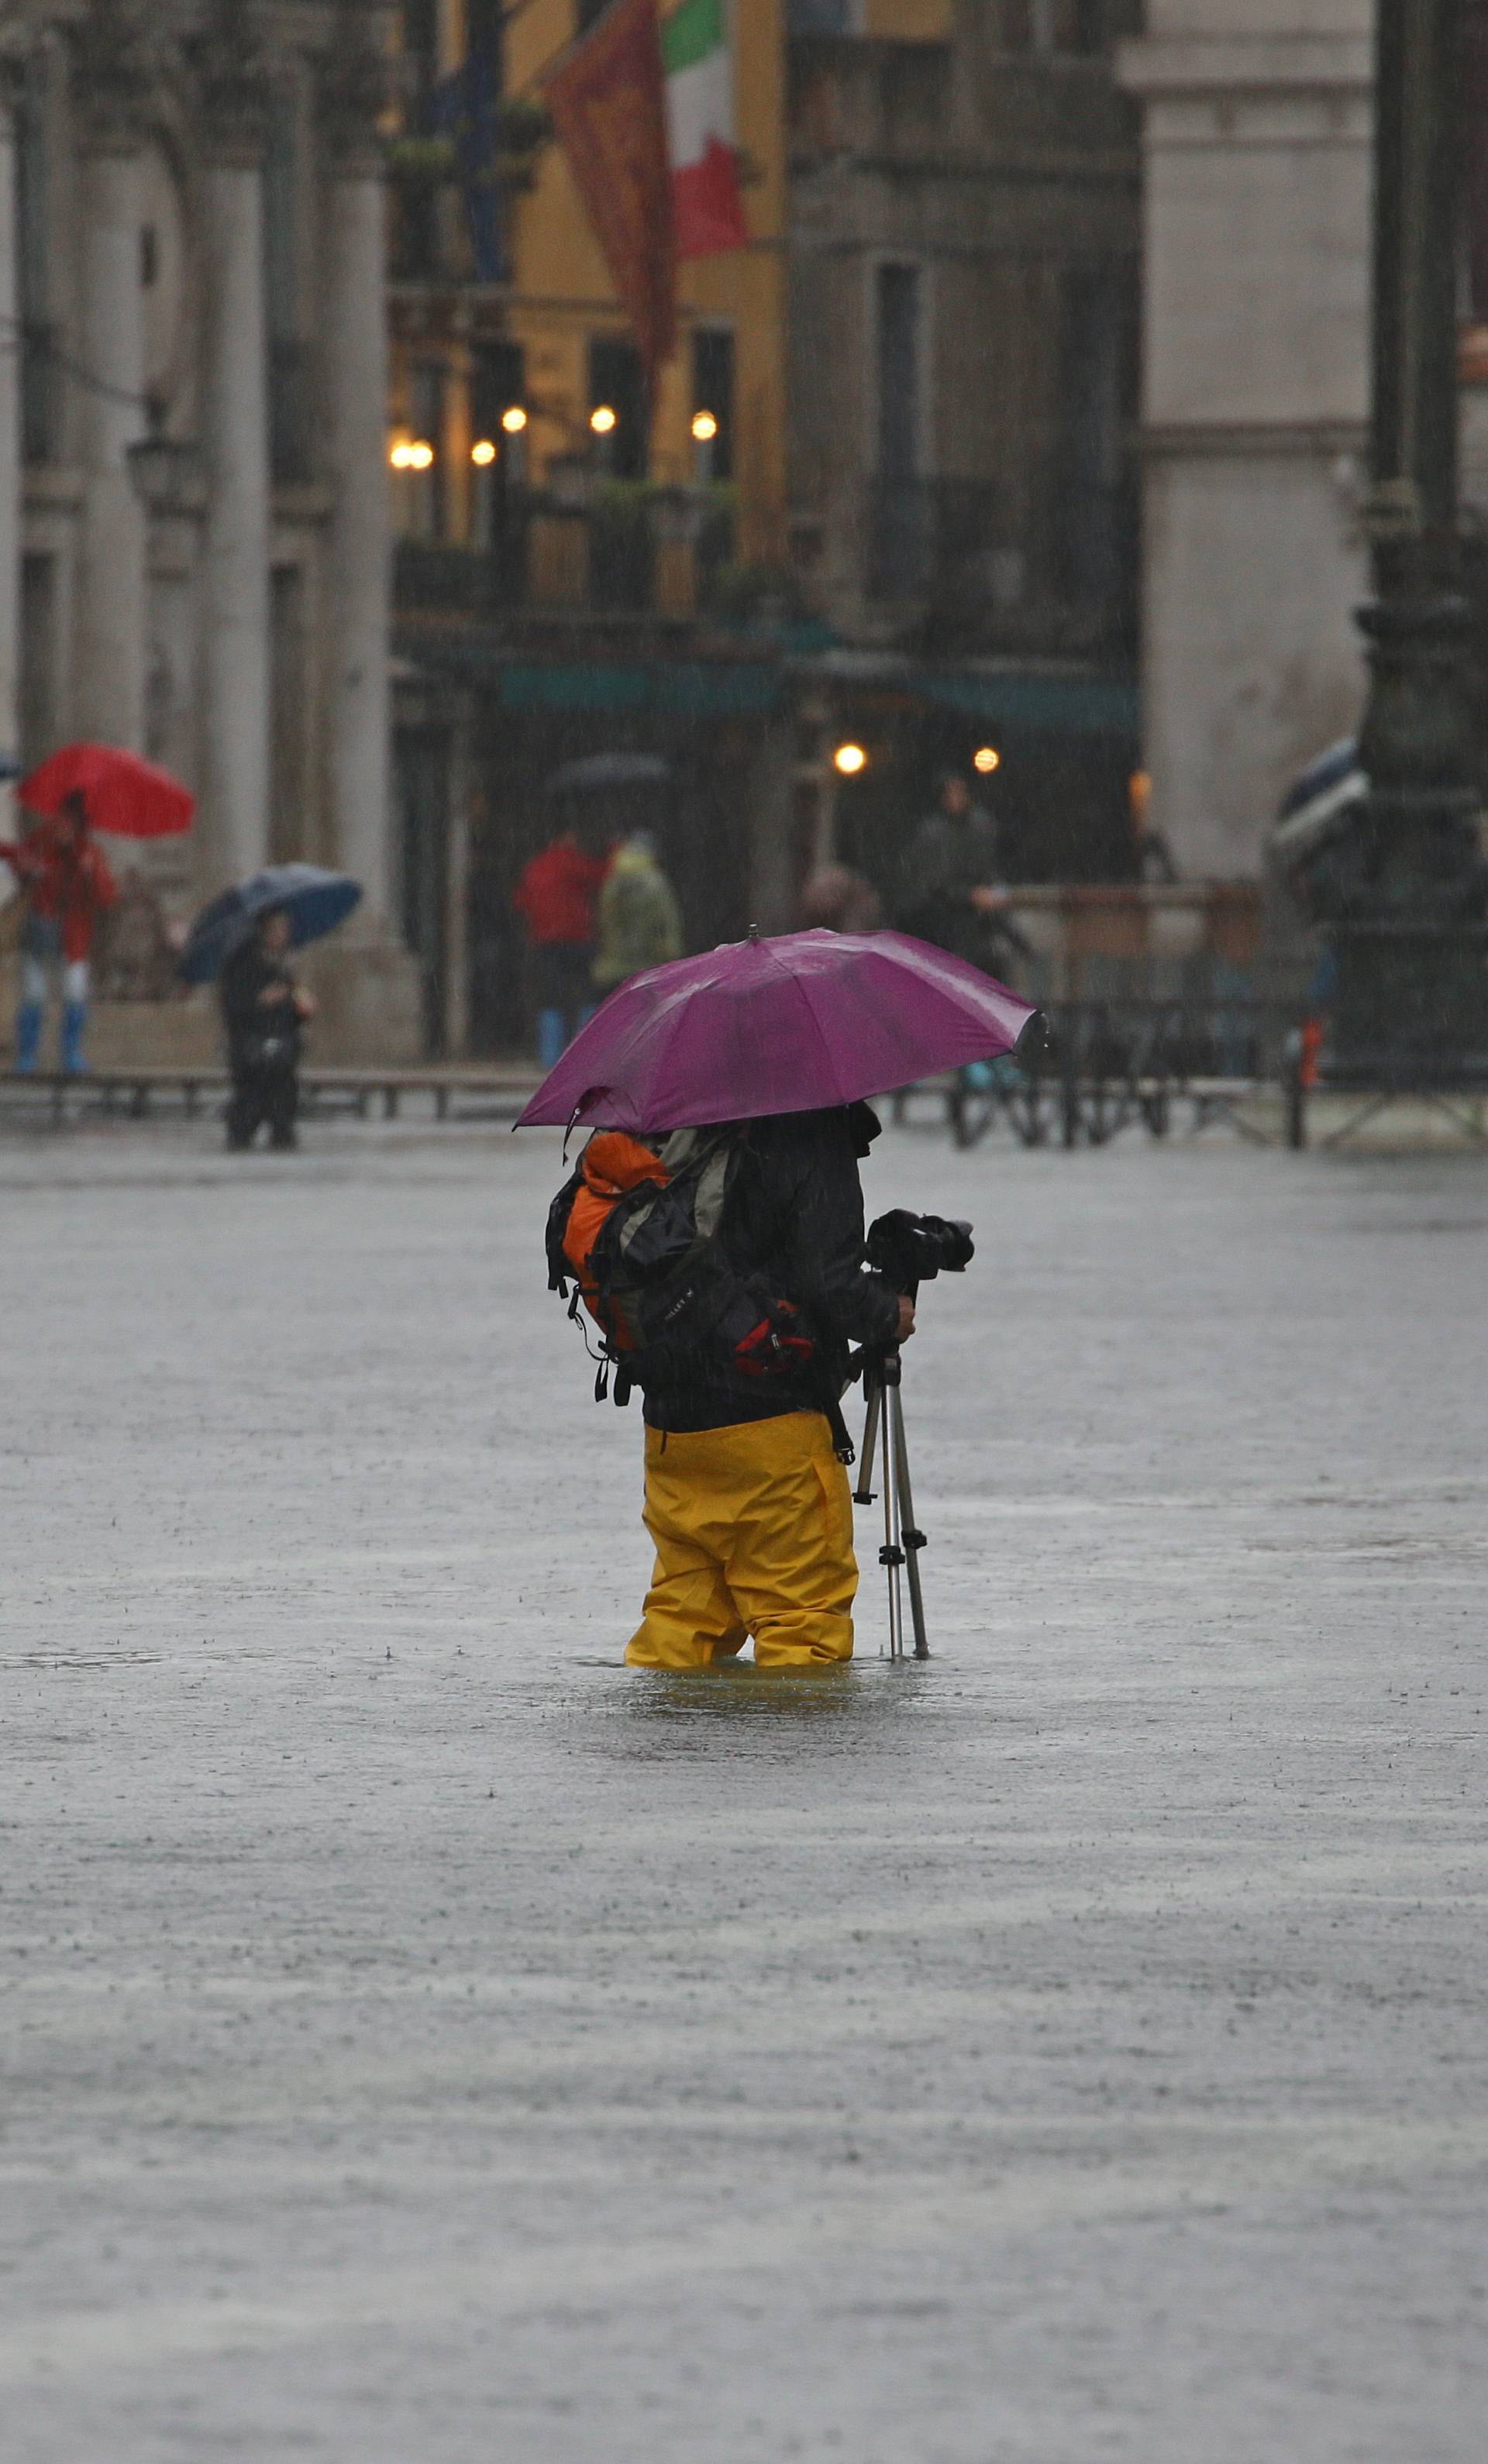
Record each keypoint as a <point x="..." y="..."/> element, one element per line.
<point x="243" y="938"/>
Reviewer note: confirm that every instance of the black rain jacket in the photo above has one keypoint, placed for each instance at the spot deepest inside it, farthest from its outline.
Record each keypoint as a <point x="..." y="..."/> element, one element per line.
<point x="794" y="1216"/>
<point x="261" y="1035"/>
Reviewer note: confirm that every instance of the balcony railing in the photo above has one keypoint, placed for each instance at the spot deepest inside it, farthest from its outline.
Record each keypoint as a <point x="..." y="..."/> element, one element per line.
<point x="967" y="551"/>
<point x="627" y="549"/>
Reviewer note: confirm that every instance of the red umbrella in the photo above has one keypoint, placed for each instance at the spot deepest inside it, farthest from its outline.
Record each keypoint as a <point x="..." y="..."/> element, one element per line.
<point x="125" y="794"/>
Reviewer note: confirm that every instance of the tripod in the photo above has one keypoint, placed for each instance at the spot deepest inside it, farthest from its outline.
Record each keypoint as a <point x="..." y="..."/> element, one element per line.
<point x="902" y="1540"/>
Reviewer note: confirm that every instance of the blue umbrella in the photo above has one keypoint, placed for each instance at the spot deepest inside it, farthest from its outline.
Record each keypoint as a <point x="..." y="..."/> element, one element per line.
<point x="313" y="900"/>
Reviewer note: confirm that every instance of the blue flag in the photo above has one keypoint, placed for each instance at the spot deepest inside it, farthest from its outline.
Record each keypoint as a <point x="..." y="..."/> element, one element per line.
<point x="462" y="106"/>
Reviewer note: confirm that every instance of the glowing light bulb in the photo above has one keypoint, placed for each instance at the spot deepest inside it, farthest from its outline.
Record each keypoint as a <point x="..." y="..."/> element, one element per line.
<point x="603" y="419"/>
<point x="398" y="453"/>
<point x="987" y="757"/>
<point x="850" y="759"/>
<point x="514" y="420"/>
<point x="420" y="455"/>
<point x="704" y="427"/>
<point x="483" y="452"/>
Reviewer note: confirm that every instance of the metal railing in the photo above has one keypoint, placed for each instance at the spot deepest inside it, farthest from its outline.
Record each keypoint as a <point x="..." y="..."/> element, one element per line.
<point x="968" y="548"/>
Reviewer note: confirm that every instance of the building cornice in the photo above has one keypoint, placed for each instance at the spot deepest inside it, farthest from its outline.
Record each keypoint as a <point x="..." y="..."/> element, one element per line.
<point x="1171" y="68"/>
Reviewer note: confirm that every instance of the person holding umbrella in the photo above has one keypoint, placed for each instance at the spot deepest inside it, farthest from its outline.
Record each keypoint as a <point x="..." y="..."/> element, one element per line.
<point x="241" y="939"/>
<point x="67" y="885"/>
<point x="265" y="1013"/>
<point x="66" y="881"/>
<point x="714" y="1231"/>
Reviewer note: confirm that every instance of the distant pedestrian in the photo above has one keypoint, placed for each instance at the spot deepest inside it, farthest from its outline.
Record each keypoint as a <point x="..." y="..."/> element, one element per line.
<point x="556" y="899"/>
<point x="836" y="899"/>
<point x="67" y="885"/>
<point x="951" y="889"/>
<point x="265" y="1013"/>
<point x="640" y="923"/>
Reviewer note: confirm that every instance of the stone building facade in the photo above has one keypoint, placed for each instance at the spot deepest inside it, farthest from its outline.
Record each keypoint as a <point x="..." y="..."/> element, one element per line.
<point x="193" y="528"/>
<point x="964" y="253"/>
<point x="1257" y="160"/>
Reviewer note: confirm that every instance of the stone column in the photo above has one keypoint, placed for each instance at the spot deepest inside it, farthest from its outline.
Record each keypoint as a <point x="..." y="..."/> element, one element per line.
<point x="112" y="623"/>
<point x="355" y="364"/>
<point x="235" y="642"/>
<point x="11" y="502"/>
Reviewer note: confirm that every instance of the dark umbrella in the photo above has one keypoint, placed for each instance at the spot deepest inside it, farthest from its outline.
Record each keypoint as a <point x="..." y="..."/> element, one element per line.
<point x="602" y="771"/>
<point x="313" y="900"/>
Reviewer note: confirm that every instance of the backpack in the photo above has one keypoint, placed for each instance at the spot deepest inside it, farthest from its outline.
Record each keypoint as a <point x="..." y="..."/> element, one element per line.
<point x="633" y="1239"/>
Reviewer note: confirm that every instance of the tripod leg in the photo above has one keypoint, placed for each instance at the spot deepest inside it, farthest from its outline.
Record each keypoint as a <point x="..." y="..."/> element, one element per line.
<point x="863" y="1493"/>
<point x="911" y="1536"/>
<point x="893" y="1552"/>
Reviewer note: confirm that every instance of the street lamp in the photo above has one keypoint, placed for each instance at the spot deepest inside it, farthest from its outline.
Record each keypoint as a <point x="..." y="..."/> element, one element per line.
<point x="1401" y="887"/>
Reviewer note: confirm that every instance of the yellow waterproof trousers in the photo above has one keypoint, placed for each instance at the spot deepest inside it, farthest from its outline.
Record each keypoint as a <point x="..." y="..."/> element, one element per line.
<point x="753" y="1526"/>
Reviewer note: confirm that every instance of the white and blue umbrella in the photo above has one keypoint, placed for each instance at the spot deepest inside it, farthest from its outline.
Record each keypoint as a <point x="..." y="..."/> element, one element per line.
<point x="313" y="900"/>
<point x="1318" y="798"/>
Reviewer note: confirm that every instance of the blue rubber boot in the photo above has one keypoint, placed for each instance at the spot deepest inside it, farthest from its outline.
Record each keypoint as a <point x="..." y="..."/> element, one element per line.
<point x="74" y="1017"/>
<point x="552" y="1037"/>
<point x="28" y="1036"/>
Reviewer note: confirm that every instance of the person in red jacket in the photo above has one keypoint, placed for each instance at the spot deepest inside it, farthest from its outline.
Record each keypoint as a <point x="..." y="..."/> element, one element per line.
<point x="556" y="899"/>
<point x="67" y="885"/>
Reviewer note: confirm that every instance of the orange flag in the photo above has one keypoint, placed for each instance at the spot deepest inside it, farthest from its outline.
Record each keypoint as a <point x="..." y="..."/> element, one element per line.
<point x="606" y="100"/>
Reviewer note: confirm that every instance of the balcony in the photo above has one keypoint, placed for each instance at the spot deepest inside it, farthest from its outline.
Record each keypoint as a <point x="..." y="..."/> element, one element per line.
<point x="614" y="548"/>
<point x="969" y="558"/>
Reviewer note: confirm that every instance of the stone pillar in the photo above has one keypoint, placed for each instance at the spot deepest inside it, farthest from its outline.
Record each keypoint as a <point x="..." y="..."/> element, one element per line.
<point x="355" y="345"/>
<point x="112" y="623"/>
<point x="11" y="504"/>
<point x="236" y="644"/>
<point x="1256" y="125"/>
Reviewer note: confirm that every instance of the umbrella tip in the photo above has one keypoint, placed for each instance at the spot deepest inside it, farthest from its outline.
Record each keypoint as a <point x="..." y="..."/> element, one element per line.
<point x="754" y="932"/>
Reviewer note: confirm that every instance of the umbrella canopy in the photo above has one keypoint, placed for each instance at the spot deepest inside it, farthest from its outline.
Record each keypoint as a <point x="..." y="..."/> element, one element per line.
<point x="787" y="1025"/>
<point x="313" y="900"/>
<point x="128" y="796"/>
<point x="1318" y="802"/>
<point x="600" y="772"/>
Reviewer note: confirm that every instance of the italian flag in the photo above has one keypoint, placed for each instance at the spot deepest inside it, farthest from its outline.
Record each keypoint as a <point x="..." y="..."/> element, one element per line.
<point x="698" y="56"/>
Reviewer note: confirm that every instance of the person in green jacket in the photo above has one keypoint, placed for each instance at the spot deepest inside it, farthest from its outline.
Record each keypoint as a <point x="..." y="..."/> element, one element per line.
<point x="640" y="924"/>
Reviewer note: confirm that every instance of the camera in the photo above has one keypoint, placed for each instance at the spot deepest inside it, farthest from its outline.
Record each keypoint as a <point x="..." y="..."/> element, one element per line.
<point x="909" y="1249"/>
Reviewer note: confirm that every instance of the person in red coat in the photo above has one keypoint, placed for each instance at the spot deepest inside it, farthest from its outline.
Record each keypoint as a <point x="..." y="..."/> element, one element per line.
<point x="556" y="898"/>
<point x="67" y="885"/>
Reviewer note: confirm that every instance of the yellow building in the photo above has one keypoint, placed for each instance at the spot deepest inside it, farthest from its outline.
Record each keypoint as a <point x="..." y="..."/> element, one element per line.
<point x="575" y="565"/>
<point x="544" y="347"/>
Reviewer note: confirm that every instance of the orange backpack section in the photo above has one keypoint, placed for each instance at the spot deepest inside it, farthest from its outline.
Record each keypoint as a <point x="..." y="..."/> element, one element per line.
<point x="613" y="1164"/>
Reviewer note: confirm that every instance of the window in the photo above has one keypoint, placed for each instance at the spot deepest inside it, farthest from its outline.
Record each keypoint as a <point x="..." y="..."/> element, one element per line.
<point x="40" y="371"/>
<point x="497" y="384"/>
<point x="289" y="356"/>
<point x="899" y="371"/>
<point x="617" y="382"/>
<point x="421" y="50"/>
<point x="713" y="392"/>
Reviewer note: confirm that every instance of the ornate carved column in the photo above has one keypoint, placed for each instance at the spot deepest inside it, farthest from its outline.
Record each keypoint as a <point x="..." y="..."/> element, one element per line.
<point x="355" y="345"/>
<point x="235" y="642"/>
<point x="110" y="90"/>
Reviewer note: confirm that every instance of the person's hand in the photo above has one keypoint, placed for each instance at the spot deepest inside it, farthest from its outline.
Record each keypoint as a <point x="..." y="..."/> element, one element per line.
<point x="987" y="900"/>
<point x="304" y="1004"/>
<point x="273" y="993"/>
<point x="906" y="1319"/>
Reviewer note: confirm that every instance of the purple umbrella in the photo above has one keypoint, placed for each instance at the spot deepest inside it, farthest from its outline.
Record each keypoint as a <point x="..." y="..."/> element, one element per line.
<point x="787" y="1026"/>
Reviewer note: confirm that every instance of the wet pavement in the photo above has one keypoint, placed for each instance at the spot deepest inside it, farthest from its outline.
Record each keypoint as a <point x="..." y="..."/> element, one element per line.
<point x="427" y="2043"/>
